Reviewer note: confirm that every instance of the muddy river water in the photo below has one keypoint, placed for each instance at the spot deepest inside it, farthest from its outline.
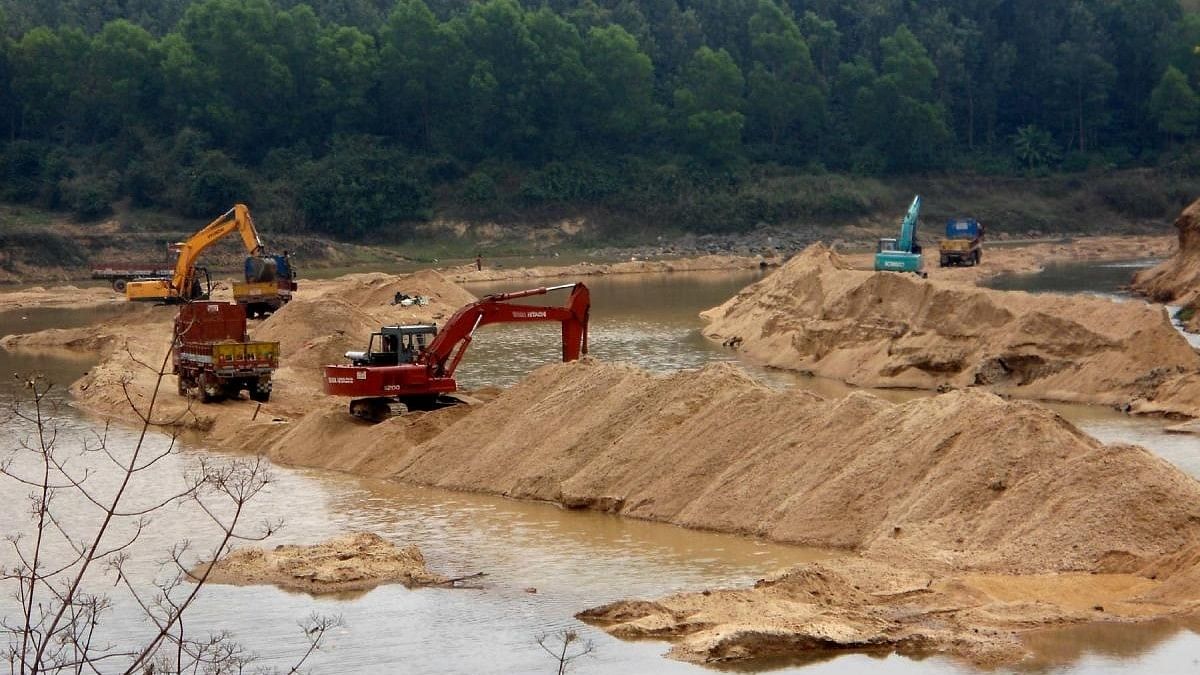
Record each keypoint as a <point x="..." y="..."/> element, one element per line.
<point x="573" y="560"/>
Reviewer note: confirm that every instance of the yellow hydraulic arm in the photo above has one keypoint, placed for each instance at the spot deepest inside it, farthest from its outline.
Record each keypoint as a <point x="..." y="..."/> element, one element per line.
<point x="180" y="285"/>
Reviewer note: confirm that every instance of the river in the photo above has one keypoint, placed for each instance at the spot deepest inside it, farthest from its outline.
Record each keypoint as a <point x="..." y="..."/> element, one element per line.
<point x="543" y="563"/>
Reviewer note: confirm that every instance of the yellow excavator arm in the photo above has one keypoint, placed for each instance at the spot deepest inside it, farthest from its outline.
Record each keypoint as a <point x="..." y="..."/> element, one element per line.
<point x="179" y="287"/>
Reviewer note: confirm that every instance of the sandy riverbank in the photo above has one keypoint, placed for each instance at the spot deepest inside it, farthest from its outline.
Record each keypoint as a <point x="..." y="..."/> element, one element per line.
<point x="964" y="519"/>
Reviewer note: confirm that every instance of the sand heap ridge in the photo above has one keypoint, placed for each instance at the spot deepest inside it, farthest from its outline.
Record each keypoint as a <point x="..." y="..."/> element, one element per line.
<point x="883" y="329"/>
<point x="353" y="562"/>
<point x="959" y="479"/>
<point x="1177" y="280"/>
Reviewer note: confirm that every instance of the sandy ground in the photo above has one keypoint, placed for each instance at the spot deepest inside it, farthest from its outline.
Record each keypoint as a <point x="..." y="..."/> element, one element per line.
<point x="468" y="273"/>
<point x="1033" y="257"/>
<point x="353" y="562"/>
<point x="819" y="314"/>
<point x="965" y="518"/>
<point x="64" y="297"/>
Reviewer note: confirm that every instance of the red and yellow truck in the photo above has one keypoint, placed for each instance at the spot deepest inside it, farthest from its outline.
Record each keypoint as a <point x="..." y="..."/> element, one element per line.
<point x="214" y="357"/>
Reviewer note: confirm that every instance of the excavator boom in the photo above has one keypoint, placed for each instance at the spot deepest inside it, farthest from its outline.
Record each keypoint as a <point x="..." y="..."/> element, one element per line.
<point x="180" y="285"/>
<point x="374" y="379"/>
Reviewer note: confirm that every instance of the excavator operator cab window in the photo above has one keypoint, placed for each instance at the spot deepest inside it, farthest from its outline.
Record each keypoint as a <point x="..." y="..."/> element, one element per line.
<point x="388" y="343"/>
<point x="886" y="245"/>
<point x="408" y="349"/>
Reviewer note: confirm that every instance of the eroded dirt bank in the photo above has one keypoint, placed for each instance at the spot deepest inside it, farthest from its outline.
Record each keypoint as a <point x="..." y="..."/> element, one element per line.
<point x="881" y="329"/>
<point x="1177" y="280"/>
<point x="353" y="562"/>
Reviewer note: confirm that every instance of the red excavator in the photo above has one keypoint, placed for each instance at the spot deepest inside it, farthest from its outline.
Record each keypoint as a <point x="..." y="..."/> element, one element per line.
<point x="415" y="364"/>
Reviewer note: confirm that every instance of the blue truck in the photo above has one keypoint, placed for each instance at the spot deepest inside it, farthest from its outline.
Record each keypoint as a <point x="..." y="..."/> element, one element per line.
<point x="963" y="244"/>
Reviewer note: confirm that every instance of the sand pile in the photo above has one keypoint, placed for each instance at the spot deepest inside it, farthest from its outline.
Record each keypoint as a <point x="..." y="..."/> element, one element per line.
<point x="353" y="562"/>
<point x="959" y="479"/>
<point x="862" y="605"/>
<point x="967" y="518"/>
<point x="468" y="273"/>
<point x="1177" y="280"/>
<point x="882" y="329"/>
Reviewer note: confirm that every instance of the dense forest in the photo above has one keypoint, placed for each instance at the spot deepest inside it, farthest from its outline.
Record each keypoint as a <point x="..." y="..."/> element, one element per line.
<point x="358" y="117"/>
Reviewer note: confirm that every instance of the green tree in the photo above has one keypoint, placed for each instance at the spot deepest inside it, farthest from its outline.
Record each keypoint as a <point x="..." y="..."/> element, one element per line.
<point x="227" y="73"/>
<point x="126" y="57"/>
<point x="347" y="65"/>
<point x="1034" y="147"/>
<point x="420" y="78"/>
<point x="558" y="87"/>
<point x="1174" y="106"/>
<point x="362" y="187"/>
<point x="1083" y="78"/>
<point x="620" y="108"/>
<point x="783" y="92"/>
<point x="498" y="95"/>
<point x="708" y="106"/>
<point x="49" y="81"/>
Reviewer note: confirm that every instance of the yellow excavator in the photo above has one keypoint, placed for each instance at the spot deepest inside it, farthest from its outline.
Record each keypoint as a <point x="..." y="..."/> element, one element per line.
<point x="270" y="279"/>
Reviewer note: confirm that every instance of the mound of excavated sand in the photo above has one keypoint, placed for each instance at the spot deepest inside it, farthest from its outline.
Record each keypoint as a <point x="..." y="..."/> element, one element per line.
<point x="1177" y="280"/>
<point x="353" y="562"/>
<point x="964" y="479"/>
<point x="853" y="603"/>
<point x="884" y="329"/>
<point x="312" y="332"/>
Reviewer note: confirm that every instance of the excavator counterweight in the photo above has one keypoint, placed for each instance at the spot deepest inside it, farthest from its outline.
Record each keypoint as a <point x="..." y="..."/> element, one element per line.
<point x="415" y="364"/>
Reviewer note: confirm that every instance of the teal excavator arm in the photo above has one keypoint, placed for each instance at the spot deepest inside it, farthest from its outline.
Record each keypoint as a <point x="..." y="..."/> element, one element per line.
<point x="908" y="228"/>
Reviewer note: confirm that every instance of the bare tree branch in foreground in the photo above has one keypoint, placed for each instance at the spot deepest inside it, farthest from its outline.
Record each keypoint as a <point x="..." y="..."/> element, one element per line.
<point x="85" y="518"/>
<point x="564" y="647"/>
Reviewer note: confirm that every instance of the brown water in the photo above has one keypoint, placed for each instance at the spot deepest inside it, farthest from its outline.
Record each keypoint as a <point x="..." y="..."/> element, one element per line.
<point x="574" y="559"/>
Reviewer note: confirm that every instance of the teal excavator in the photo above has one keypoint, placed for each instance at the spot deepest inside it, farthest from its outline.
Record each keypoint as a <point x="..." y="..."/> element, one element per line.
<point x="903" y="254"/>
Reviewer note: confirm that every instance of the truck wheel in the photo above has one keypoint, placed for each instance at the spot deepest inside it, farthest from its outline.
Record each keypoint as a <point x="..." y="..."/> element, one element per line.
<point x="118" y="285"/>
<point x="260" y="391"/>
<point x="978" y="257"/>
<point x="210" y="388"/>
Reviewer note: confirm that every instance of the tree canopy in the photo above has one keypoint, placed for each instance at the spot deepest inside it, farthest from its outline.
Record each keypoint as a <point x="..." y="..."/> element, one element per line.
<point x="172" y="102"/>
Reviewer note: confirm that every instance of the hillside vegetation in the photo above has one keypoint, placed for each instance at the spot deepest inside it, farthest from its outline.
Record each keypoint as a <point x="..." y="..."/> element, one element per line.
<point x="362" y="118"/>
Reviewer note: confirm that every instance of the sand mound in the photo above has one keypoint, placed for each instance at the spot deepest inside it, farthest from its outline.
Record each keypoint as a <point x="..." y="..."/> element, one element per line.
<point x="1177" y="280"/>
<point x="895" y="330"/>
<point x="374" y="290"/>
<point x="353" y="562"/>
<point x="959" y="479"/>
<point x="314" y="332"/>
<point x="861" y="605"/>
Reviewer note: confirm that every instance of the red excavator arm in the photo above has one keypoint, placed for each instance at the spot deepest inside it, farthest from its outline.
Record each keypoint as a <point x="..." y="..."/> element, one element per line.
<point x="421" y="380"/>
<point x="447" y="349"/>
